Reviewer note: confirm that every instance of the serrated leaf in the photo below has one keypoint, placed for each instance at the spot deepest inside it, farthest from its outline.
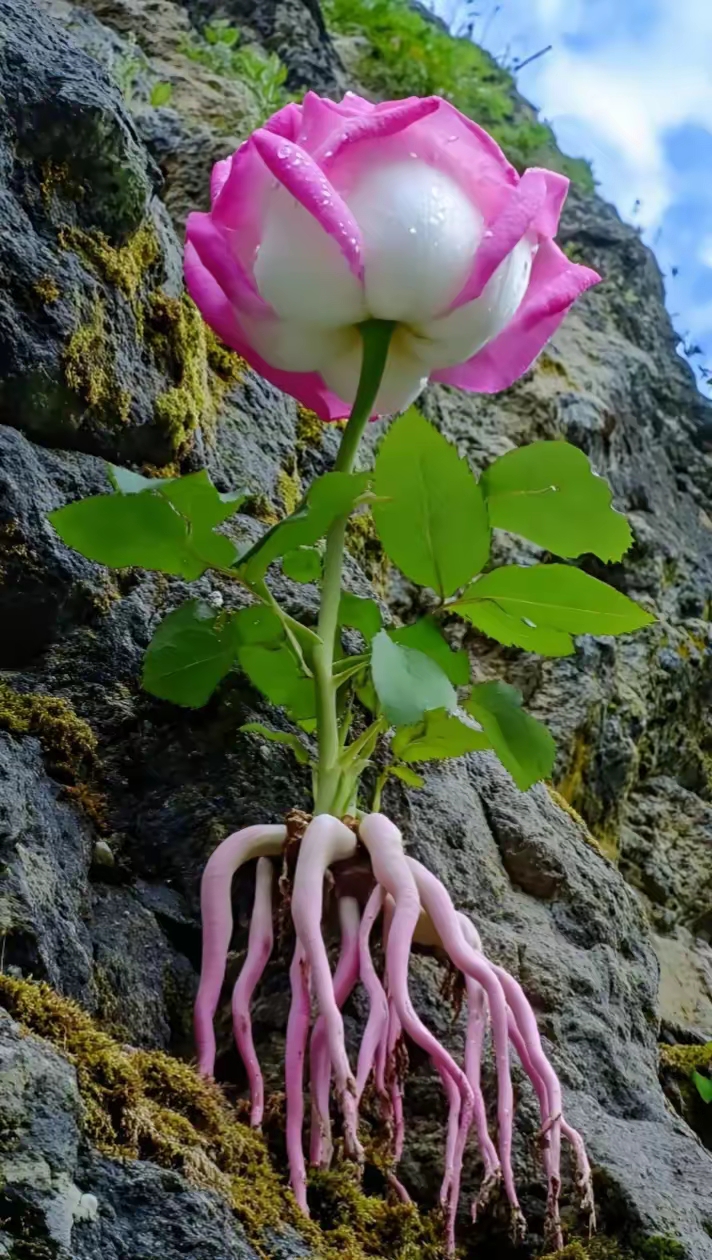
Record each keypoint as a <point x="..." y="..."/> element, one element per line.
<point x="438" y="736"/>
<point x="407" y="683"/>
<point x="703" y="1085"/>
<point x="557" y="597"/>
<point x="279" y="737"/>
<point x="275" y="672"/>
<point x="548" y="492"/>
<point x="192" y="650"/>
<point x="407" y="776"/>
<point x="360" y="614"/>
<point x="524" y="746"/>
<point x="425" y="636"/>
<point x="331" y="496"/>
<point x="161" y="524"/>
<point x="511" y="630"/>
<point x="121" y="530"/>
<point x="258" y="624"/>
<point x="302" y="565"/>
<point x="430" y="514"/>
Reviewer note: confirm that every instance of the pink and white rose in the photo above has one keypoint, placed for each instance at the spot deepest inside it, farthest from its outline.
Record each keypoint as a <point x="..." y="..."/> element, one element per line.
<point x="332" y="214"/>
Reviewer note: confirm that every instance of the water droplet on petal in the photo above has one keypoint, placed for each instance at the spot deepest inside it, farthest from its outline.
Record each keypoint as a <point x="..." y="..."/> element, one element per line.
<point x="489" y="233"/>
<point x="329" y="153"/>
<point x="414" y="155"/>
<point x="413" y="231"/>
<point x="282" y="152"/>
<point x="452" y="139"/>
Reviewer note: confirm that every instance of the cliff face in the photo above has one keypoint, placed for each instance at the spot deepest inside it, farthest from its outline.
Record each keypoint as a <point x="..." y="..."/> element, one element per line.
<point x="110" y="801"/>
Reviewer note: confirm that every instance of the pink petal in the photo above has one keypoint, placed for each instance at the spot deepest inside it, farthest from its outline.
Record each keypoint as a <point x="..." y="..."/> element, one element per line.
<point x="388" y="119"/>
<point x="524" y="207"/>
<point x="304" y="179"/>
<point x="240" y="206"/>
<point x="443" y="138"/>
<point x="322" y="119"/>
<point x="286" y="122"/>
<point x="554" y="286"/>
<point x="218" y="176"/>
<point x="307" y="387"/>
<point x="212" y="244"/>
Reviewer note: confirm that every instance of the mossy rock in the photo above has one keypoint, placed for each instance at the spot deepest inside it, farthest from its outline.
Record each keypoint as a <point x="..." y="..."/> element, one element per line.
<point x="141" y="1104"/>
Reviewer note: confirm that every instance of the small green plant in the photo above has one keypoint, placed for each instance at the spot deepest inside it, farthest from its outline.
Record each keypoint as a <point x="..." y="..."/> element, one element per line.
<point x="408" y="55"/>
<point x="161" y="94"/>
<point x="127" y="70"/>
<point x="263" y="74"/>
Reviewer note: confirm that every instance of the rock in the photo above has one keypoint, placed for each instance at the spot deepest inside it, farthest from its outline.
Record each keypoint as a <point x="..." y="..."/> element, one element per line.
<point x="163" y="786"/>
<point x="685" y="994"/>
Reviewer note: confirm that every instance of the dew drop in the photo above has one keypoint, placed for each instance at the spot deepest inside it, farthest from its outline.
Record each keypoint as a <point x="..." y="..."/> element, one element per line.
<point x="413" y="155"/>
<point x="329" y="153"/>
<point x="452" y="139"/>
<point x="413" y="231"/>
<point x="283" y="152"/>
<point x="527" y="622"/>
<point x="489" y="233"/>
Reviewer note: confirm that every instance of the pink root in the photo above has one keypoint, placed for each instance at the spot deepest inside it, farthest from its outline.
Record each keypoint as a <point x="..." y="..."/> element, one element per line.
<point x="393" y="872"/>
<point x="216" y="911"/>
<point x="393" y="1083"/>
<point x="443" y="916"/>
<point x="259" y="948"/>
<point x="295" y="1051"/>
<point x="477" y="1018"/>
<point x="326" y="840"/>
<point x="376" y="1031"/>
<point x="345" y="977"/>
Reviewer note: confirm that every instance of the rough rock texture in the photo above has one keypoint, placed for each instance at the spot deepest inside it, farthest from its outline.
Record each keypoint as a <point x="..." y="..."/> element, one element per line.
<point x="631" y="716"/>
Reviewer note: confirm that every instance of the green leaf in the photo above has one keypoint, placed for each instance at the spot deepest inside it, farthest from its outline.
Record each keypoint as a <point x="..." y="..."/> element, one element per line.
<point x="438" y="736"/>
<point x="549" y="493"/>
<point x="258" y="624"/>
<point x="360" y="614"/>
<point x="161" y="93"/>
<point x="275" y="672"/>
<point x="279" y="737"/>
<point x="433" y="522"/>
<point x="407" y="682"/>
<point x="123" y="530"/>
<point x="331" y="496"/>
<point x="161" y="524"/>
<point x="128" y="482"/>
<point x="191" y="651"/>
<point x="302" y="565"/>
<point x="510" y="630"/>
<point x="704" y="1086"/>
<point x="406" y="775"/>
<point x="557" y="597"/>
<point x="425" y="636"/>
<point x="524" y="746"/>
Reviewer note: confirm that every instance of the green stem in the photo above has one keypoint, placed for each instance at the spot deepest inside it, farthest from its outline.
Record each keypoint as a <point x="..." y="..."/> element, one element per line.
<point x="376" y="335"/>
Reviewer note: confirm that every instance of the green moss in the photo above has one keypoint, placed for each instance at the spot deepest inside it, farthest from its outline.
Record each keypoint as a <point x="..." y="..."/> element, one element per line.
<point x="289" y="487"/>
<point x="68" y="742"/>
<point x="123" y="266"/>
<point x="145" y="1105"/>
<point x="47" y="290"/>
<point x="639" y="1247"/>
<point x="408" y="55"/>
<point x="200" y="366"/>
<point x="682" y="1061"/>
<point x="363" y="543"/>
<point x="310" y="429"/>
<point x="261" y="508"/>
<point x="89" y="370"/>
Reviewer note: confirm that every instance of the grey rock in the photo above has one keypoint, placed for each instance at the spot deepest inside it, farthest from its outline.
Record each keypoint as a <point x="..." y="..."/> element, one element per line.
<point x="631" y="715"/>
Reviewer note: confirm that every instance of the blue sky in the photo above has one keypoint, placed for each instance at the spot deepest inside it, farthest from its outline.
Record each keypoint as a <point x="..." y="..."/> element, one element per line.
<point x="627" y="84"/>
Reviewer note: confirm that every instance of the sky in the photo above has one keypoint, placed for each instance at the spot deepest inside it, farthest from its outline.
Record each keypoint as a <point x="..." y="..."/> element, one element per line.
<point x="628" y="85"/>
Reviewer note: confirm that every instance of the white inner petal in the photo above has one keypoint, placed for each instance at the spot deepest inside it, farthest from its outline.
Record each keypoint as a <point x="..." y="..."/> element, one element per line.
<point x="403" y="379"/>
<point x="454" y="338"/>
<point x="300" y="270"/>
<point x="420" y="233"/>
<point x="296" y="346"/>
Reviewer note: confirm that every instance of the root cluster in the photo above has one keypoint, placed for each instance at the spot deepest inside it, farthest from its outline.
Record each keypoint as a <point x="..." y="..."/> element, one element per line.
<point x="376" y="883"/>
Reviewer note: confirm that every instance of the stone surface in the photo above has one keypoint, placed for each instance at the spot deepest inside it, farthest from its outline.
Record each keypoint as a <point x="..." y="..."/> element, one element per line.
<point x="631" y="716"/>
